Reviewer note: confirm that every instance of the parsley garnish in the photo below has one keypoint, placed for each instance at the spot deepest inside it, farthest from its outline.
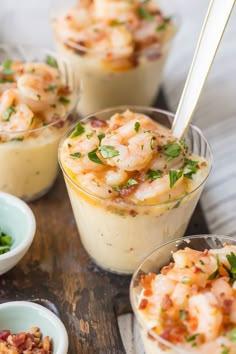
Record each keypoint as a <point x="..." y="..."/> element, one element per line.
<point x="115" y="23"/>
<point x="5" y="242"/>
<point x="94" y="157"/>
<point x="108" y="151"/>
<point x="190" y="168"/>
<point x="8" y="113"/>
<point x="6" y="67"/>
<point x="153" y="174"/>
<point x="174" y="176"/>
<point x="232" y="334"/>
<point x="183" y="143"/>
<point x="177" y="204"/>
<point x="145" y="14"/>
<point x="216" y="272"/>
<point x="152" y="146"/>
<point x="232" y="261"/>
<point x="136" y="126"/>
<point x="182" y="314"/>
<point x="171" y="150"/>
<point x="101" y="136"/>
<point x="51" y="61"/>
<point x="50" y="88"/>
<point x="89" y="136"/>
<point x="76" y="155"/>
<point x="191" y="338"/>
<point x="64" y="100"/>
<point x="185" y="280"/>
<point x="130" y="182"/>
<point x="20" y="138"/>
<point x="79" y="129"/>
<point x="162" y="26"/>
<point x="225" y="351"/>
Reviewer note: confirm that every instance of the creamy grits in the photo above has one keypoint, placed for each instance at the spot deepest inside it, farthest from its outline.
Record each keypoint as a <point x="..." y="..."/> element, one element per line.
<point x="132" y="185"/>
<point x="110" y="43"/>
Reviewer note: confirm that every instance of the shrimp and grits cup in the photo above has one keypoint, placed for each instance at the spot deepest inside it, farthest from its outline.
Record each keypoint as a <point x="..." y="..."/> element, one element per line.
<point x="131" y="184"/>
<point x="183" y="296"/>
<point x="118" y="48"/>
<point x="38" y="94"/>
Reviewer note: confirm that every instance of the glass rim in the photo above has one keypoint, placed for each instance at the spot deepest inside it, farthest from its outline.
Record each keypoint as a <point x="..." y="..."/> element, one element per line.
<point x="54" y="54"/>
<point x="131" y="293"/>
<point x="141" y="108"/>
<point x="74" y="46"/>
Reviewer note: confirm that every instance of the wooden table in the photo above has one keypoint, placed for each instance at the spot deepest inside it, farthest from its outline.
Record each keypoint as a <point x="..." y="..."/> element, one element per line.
<point x="58" y="273"/>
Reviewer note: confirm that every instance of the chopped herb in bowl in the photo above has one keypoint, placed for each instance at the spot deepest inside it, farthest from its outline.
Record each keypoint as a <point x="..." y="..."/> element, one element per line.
<point x="5" y="242"/>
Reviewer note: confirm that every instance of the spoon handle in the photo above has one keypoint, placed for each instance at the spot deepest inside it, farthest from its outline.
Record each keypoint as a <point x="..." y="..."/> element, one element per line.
<point x="210" y="37"/>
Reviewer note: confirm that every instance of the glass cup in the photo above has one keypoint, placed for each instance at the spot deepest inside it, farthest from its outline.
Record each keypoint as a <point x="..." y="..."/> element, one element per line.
<point x="119" y="235"/>
<point x="107" y="83"/>
<point x="28" y="159"/>
<point x="153" y="263"/>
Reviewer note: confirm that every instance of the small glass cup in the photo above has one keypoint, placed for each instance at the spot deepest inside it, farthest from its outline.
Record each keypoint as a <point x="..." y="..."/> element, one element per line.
<point x="28" y="159"/>
<point x="119" y="235"/>
<point x="105" y="83"/>
<point x="153" y="263"/>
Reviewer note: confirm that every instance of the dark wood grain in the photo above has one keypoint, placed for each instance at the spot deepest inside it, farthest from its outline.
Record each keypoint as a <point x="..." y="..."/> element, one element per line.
<point x="58" y="273"/>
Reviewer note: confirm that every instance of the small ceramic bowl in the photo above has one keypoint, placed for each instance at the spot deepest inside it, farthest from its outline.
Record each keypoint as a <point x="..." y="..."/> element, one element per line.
<point x="18" y="221"/>
<point x="20" y="316"/>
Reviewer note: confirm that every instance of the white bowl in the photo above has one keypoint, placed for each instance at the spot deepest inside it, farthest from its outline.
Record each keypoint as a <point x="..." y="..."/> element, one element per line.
<point x="20" y="316"/>
<point x="17" y="220"/>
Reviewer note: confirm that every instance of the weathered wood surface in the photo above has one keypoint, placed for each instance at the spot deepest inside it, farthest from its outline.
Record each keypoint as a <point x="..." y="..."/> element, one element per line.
<point x="58" y="273"/>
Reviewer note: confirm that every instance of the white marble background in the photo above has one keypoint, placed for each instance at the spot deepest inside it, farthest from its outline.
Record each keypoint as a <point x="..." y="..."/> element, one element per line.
<point x="28" y="21"/>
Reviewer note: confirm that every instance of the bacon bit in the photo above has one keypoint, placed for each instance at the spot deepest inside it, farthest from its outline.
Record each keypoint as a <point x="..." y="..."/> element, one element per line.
<point x="59" y="124"/>
<point x="64" y="90"/>
<point x="147" y="292"/>
<point x="204" y="163"/>
<point x="143" y="304"/>
<point x="166" y="302"/>
<point x="131" y="249"/>
<point x="166" y="269"/>
<point x="4" y="334"/>
<point x="146" y="280"/>
<point x="109" y="55"/>
<point x="166" y="334"/>
<point x="98" y="123"/>
<point x="196" y="269"/>
<point x="193" y="323"/>
<point x="133" y="213"/>
<point x="227" y="304"/>
<point x="68" y="17"/>
<point x="18" y="339"/>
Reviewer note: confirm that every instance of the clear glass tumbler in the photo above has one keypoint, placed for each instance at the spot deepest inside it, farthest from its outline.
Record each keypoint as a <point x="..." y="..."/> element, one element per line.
<point x="28" y="159"/>
<point x="153" y="263"/>
<point x="108" y="83"/>
<point x="118" y="235"/>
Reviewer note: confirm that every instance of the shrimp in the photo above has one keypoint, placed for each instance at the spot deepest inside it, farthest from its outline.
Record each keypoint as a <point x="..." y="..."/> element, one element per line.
<point x="38" y="86"/>
<point x="134" y="144"/>
<point x="9" y="98"/>
<point x="113" y="9"/>
<point x="222" y="291"/>
<point x="204" y="308"/>
<point x="51" y="114"/>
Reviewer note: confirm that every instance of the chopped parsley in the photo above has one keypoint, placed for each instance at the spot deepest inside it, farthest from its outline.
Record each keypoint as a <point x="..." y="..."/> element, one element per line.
<point x="144" y="14"/>
<point x="116" y="23"/>
<point x="130" y="182"/>
<point x="232" y="334"/>
<point x="108" y="151"/>
<point x="50" y="88"/>
<point x="7" y="114"/>
<point x="101" y="136"/>
<point x="6" y="67"/>
<point x="216" y="272"/>
<point x="151" y="174"/>
<point x="89" y="136"/>
<point x="190" y="168"/>
<point x="162" y="26"/>
<point x="191" y="338"/>
<point x="185" y="280"/>
<point x="232" y="261"/>
<point x="184" y="145"/>
<point x="182" y="315"/>
<point x="225" y="351"/>
<point x="174" y="176"/>
<point x="171" y="150"/>
<point x="20" y="138"/>
<point x="5" y="242"/>
<point x="177" y="204"/>
<point x="76" y="155"/>
<point x="136" y="126"/>
<point x="152" y="145"/>
<point x="51" y="61"/>
<point x="92" y="155"/>
<point x="79" y="129"/>
<point x="64" y="100"/>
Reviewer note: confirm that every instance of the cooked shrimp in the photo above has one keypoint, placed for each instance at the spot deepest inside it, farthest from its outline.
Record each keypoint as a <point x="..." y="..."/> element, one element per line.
<point x="156" y="191"/>
<point x="54" y="113"/>
<point x="204" y="307"/>
<point x="112" y="9"/>
<point x="21" y="119"/>
<point x="95" y="185"/>
<point x="38" y="86"/>
<point x="9" y="98"/>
